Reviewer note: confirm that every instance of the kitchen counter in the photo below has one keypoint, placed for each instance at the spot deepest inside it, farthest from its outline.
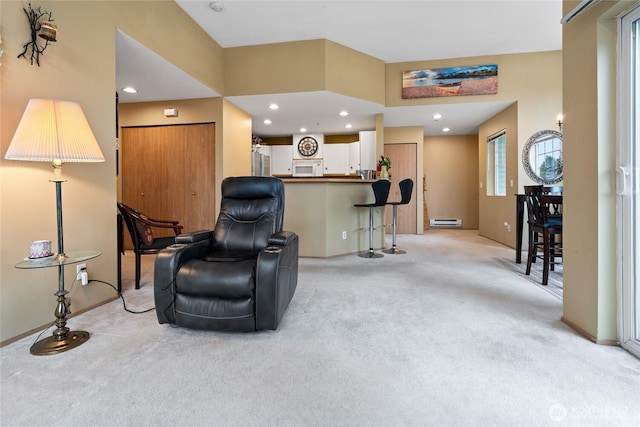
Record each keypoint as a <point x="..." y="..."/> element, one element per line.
<point x="328" y="179"/>
<point x="321" y="212"/>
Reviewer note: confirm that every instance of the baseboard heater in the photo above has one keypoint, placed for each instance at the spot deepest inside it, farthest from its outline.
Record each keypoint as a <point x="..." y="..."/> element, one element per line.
<point x="445" y="223"/>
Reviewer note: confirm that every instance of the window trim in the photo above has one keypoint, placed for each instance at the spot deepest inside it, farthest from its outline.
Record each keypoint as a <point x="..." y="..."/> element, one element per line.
<point x="493" y="174"/>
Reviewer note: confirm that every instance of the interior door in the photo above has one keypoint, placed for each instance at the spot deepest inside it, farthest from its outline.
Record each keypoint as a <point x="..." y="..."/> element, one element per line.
<point x="403" y="165"/>
<point x="168" y="172"/>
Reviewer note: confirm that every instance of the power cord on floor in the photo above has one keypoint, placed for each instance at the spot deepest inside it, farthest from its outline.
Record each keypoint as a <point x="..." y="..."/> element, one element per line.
<point x="43" y="331"/>
<point x="124" y="303"/>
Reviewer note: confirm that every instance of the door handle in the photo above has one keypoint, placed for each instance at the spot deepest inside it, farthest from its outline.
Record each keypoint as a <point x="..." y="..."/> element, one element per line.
<point x="621" y="181"/>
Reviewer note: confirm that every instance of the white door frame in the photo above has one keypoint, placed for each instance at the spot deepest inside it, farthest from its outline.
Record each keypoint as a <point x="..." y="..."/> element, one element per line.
<point x="628" y="180"/>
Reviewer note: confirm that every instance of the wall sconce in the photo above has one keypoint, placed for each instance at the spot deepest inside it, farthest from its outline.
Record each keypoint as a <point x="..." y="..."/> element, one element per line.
<point x="46" y="29"/>
<point x="560" y="121"/>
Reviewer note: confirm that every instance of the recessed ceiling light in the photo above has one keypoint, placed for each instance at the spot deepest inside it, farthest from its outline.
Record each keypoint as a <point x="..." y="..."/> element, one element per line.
<point x="129" y="89"/>
<point x="267" y="122"/>
<point x="445" y="129"/>
<point x="303" y="130"/>
<point x="273" y="107"/>
<point x="344" y="113"/>
<point x="216" y="6"/>
<point x="437" y="116"/>
<point x="348" y="126"/>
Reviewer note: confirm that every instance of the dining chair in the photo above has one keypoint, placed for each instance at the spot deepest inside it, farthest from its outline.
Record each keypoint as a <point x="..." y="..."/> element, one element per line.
<point x="545" y="221"/>
<point x="140" y="227"/>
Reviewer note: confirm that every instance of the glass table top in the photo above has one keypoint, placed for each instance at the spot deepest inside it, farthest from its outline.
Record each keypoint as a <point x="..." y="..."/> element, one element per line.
<point x="55" y="260"/>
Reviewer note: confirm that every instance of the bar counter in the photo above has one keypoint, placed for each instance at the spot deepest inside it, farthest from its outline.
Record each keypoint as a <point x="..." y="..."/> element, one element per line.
<point x="321" y="209"/>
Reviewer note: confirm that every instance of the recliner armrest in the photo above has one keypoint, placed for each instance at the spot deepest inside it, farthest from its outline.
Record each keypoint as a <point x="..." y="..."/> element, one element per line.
<point x="196" y="236"/>
<point x="168" y="262"/>
<point x="282" y="238"/>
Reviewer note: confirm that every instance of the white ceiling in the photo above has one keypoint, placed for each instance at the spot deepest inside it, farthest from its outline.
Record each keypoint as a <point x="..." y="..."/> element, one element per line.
<point x="393" y="31"/>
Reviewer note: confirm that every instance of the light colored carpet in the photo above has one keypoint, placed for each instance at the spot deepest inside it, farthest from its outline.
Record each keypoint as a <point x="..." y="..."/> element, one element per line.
<point x="441" y="336"/>
<point x="554" y="282"/>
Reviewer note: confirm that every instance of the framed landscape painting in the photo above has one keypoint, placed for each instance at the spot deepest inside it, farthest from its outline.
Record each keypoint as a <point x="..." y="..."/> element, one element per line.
<point x="452" y="81"/>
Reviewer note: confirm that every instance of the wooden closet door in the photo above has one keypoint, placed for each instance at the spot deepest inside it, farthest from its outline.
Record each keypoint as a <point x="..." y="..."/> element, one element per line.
<point x="168" y="172"/>
<point x="403" y="165"/>
<point x="144" y="170"/>
<point x="191" y="183"/>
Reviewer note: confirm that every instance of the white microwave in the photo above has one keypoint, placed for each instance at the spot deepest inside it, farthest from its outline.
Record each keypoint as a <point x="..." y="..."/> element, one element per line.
<point x="307" y="168"/>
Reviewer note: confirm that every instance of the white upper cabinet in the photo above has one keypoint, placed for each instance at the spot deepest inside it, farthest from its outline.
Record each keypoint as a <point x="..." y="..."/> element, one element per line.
<point x="368" y="149"/>
<point x="354" y="157"/>
<point x="281" y="159"/>
<point x="336" y="159"/>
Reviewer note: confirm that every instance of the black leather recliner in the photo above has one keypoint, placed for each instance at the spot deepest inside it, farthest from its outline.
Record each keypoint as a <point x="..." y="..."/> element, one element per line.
<point x="240" y="276"/>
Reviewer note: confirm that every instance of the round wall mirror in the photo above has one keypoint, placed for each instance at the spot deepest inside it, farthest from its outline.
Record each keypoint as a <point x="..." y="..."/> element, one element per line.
<point x="542" y="157"/>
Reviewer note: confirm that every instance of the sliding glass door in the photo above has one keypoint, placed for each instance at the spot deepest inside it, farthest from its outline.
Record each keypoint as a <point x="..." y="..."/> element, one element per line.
<point x="628" y="182"/>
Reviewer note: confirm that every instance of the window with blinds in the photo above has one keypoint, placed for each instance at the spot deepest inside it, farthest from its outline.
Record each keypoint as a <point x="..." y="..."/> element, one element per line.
<point x="497" y="164"/>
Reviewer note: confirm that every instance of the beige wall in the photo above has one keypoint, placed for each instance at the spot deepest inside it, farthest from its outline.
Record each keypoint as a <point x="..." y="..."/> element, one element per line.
<point x="355" y="74"/>
<point x="303" y="66"/>
<point x="283" y="68"/>
<point x="451" y="178"/>
<point x="496" y="210"/>
<point x="589" y="91"/>
<point x="534" y="81"/>
<point x="80" y="67"/>
<point x="236" y="134"/>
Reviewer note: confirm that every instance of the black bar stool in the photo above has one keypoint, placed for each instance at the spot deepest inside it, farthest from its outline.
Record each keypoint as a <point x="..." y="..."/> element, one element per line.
<point x="381" y="193"/>
<point x="406" y="188"/>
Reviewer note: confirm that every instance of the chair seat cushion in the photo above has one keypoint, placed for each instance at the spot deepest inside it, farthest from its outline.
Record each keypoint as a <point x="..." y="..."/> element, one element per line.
<point x="159" y="243"/>
<point x="553" y="222"/>
<point x="226" y="256"/>
<point x="232" y="279"/>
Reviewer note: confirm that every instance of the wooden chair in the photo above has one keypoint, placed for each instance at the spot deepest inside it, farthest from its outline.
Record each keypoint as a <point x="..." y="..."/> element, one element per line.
<point x="545" y="221"/>
<point x="140" y="229"/>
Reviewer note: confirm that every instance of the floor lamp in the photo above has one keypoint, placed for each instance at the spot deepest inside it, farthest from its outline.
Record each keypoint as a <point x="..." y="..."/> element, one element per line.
<point x="56" y="132"/>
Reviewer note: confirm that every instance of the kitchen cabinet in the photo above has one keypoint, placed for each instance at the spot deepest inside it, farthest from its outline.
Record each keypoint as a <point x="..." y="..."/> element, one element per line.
<point x="281" y="159"/>
<point x="368" y="150"/>
<point x="336" y="159"/>
<point x="354" y="157"/>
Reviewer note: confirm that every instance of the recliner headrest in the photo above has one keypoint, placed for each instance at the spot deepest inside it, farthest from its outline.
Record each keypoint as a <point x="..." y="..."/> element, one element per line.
<point x="252" y="187"/>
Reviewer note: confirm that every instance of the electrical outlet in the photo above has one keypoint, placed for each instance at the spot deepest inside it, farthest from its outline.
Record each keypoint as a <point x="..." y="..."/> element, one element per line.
<point x="344" y="235"/>
<point x="80" y="268"/>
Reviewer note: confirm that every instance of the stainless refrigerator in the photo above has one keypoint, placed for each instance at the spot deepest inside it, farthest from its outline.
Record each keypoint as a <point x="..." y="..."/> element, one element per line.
<point x="260" y="164"/>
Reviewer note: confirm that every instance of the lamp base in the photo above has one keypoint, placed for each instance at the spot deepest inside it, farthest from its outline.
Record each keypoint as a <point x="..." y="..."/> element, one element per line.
<point x="54" y="345"/>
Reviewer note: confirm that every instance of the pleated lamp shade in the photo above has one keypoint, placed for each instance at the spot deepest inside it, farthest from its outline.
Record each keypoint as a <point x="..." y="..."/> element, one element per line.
<point x="56" y="132"/>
